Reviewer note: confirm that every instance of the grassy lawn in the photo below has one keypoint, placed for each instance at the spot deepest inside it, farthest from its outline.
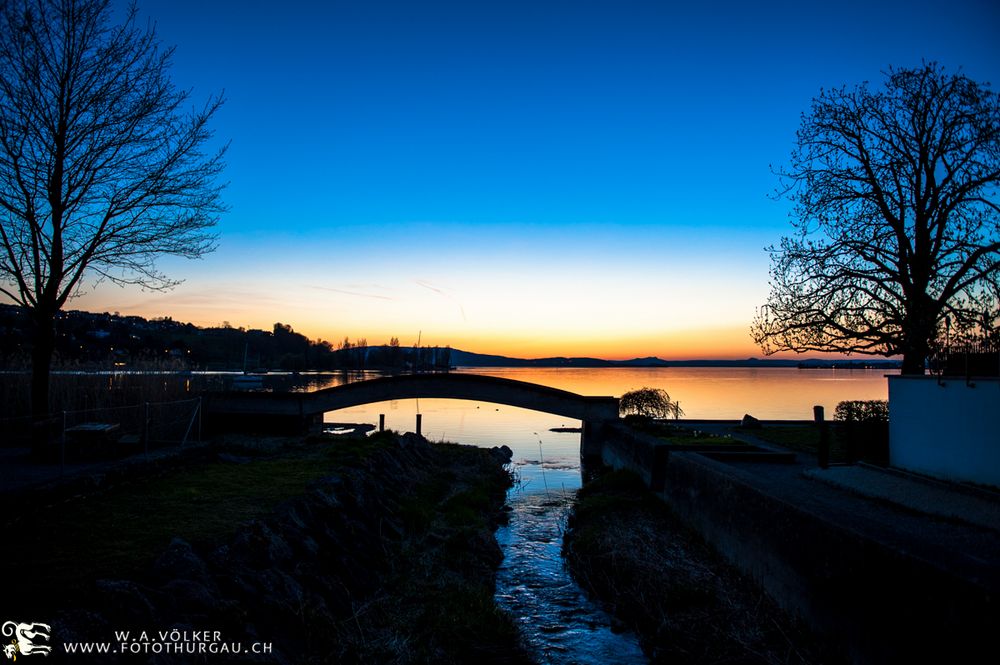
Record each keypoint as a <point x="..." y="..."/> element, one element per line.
<point x="430" y="596"/>
<point x="804" y="438"/>
<point x="117" y="533"/>
<point x="680" y="436"/>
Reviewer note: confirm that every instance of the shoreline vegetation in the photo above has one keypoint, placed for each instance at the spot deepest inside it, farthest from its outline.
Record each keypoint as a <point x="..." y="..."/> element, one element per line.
<point x="658" y="578"/>
<point x="377" y="549"/>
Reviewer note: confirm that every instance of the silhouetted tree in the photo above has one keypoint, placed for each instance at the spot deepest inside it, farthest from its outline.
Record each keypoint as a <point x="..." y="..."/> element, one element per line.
<point x="395" y="354"/>
<point x="649" y="403"/>
<point x="896" y="218"/>
<point x="101" y="169"/>
<point x="361" y="352"/>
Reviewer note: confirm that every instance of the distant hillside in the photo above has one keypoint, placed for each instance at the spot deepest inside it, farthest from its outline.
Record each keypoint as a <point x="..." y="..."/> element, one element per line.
<point x="467" y="359"/>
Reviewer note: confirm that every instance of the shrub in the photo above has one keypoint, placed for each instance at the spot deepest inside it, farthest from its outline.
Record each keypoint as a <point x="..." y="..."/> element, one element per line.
<point x="863" y="430"/>
<point x="863" y="411"/>
<point x="649" y="403"/>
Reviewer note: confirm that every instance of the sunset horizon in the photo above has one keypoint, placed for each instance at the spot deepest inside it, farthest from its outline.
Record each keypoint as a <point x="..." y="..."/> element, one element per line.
<point x="515" y="180"/>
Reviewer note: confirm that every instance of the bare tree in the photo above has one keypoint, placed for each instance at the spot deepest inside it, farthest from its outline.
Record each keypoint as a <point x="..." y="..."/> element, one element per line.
<point x="898" y="228"/>
<point x="102" y="169"/>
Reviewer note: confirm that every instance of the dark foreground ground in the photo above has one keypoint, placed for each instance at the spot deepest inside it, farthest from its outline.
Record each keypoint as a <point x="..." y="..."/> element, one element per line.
<point x="660" y="579"/>
<point x="377" y="550"/>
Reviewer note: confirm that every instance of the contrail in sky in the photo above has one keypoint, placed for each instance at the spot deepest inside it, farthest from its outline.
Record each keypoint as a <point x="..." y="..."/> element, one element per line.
<point x="352" y="293"/>
<point x="447" y="295"/>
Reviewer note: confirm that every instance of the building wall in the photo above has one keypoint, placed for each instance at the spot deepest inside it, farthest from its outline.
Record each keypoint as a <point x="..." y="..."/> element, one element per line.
<point x="948" y="428"/>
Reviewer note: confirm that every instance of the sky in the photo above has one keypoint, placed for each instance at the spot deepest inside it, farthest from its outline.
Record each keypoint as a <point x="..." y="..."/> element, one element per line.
<point x="524" y="178"/>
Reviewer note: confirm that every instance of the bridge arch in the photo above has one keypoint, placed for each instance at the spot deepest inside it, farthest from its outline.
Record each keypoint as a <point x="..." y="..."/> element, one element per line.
<point x="474" y="387"/>
<point x="291" y="411"/>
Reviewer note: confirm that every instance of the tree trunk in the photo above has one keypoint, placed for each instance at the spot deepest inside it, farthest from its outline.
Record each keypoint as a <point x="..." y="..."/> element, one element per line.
<point x="920" y="330"/>
<point x="915" y="356"/>
<point x="41" y="360"/>
<point x="913" y="363"/>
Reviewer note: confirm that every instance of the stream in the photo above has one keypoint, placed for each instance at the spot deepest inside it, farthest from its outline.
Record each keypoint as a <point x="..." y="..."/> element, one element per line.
<point x="558" y="622"/>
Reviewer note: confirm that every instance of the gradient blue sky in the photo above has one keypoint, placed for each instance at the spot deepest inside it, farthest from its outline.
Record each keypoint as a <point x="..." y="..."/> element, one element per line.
<point x="529" y="178"/>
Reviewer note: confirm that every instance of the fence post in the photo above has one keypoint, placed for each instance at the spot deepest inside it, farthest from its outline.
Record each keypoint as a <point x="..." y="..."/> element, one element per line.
<point x="199" y="419"/>
<point x="381" y="422"/>
<point x="419" y="418"/>
<point x="823" y="454"/>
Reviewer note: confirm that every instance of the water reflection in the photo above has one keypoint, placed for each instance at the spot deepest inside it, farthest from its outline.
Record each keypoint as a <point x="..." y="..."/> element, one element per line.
<point x="704" y="392"/>
<point x="718" y="392"/>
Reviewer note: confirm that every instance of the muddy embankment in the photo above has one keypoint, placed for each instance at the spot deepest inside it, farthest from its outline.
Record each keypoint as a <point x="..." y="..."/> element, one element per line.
<point x="391" y="559"/>
<point x="661" y="580"/>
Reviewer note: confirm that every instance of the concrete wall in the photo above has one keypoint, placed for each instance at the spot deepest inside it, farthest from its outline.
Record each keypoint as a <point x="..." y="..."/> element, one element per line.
<point x="949" y="429"/>
<point x="621" y="447"/>
<point x="879" y="603"/>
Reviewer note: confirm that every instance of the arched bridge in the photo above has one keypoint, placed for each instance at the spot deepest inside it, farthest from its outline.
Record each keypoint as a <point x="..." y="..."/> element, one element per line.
<point x="284" y="411"/>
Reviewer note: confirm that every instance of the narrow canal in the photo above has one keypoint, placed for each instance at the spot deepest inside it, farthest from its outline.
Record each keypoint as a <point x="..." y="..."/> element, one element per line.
<point x="559" y="623"/>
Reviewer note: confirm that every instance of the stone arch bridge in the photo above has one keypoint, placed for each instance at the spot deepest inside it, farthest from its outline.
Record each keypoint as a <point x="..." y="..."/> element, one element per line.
<point x="290" y="412"/>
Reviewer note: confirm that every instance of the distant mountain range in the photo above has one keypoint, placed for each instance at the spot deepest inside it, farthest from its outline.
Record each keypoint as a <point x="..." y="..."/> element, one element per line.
<point x="468" y="359"/>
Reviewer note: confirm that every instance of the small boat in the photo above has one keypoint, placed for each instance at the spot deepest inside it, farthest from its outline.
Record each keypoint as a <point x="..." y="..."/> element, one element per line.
<point x="248" y="381"/>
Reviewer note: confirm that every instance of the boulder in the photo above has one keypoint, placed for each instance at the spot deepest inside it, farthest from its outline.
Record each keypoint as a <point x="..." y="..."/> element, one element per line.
<point x="179" y="562"/>
<point x="502" y="454"/>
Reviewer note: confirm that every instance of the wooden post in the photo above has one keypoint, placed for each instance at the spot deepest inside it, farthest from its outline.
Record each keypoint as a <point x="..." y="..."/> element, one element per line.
<point x="823" y="454"/>
<point x="420" y="417"/>
<point x="381" y="422"/>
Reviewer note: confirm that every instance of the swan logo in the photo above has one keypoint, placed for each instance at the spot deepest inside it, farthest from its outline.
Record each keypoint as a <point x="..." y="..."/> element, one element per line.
<point x="24" y="635"/>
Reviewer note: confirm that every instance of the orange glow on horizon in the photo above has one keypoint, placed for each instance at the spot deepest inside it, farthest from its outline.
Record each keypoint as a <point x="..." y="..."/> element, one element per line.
<point x="708" y="343"/>
<point x="517" y="327"/>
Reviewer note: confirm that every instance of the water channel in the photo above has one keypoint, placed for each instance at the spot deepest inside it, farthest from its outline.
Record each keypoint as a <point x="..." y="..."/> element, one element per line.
<point x="559" y="623"/>
<point x="557" y="620"/>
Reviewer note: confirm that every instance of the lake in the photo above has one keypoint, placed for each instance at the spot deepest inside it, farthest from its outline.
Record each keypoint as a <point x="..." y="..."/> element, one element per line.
<point x="703" y="393"/>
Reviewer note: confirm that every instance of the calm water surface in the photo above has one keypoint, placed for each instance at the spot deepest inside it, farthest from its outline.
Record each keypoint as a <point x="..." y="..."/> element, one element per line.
<point x="703" y="392"/>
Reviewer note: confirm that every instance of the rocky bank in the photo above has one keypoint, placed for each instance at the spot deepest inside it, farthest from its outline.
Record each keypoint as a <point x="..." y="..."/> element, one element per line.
<point x="392" y="561"/>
